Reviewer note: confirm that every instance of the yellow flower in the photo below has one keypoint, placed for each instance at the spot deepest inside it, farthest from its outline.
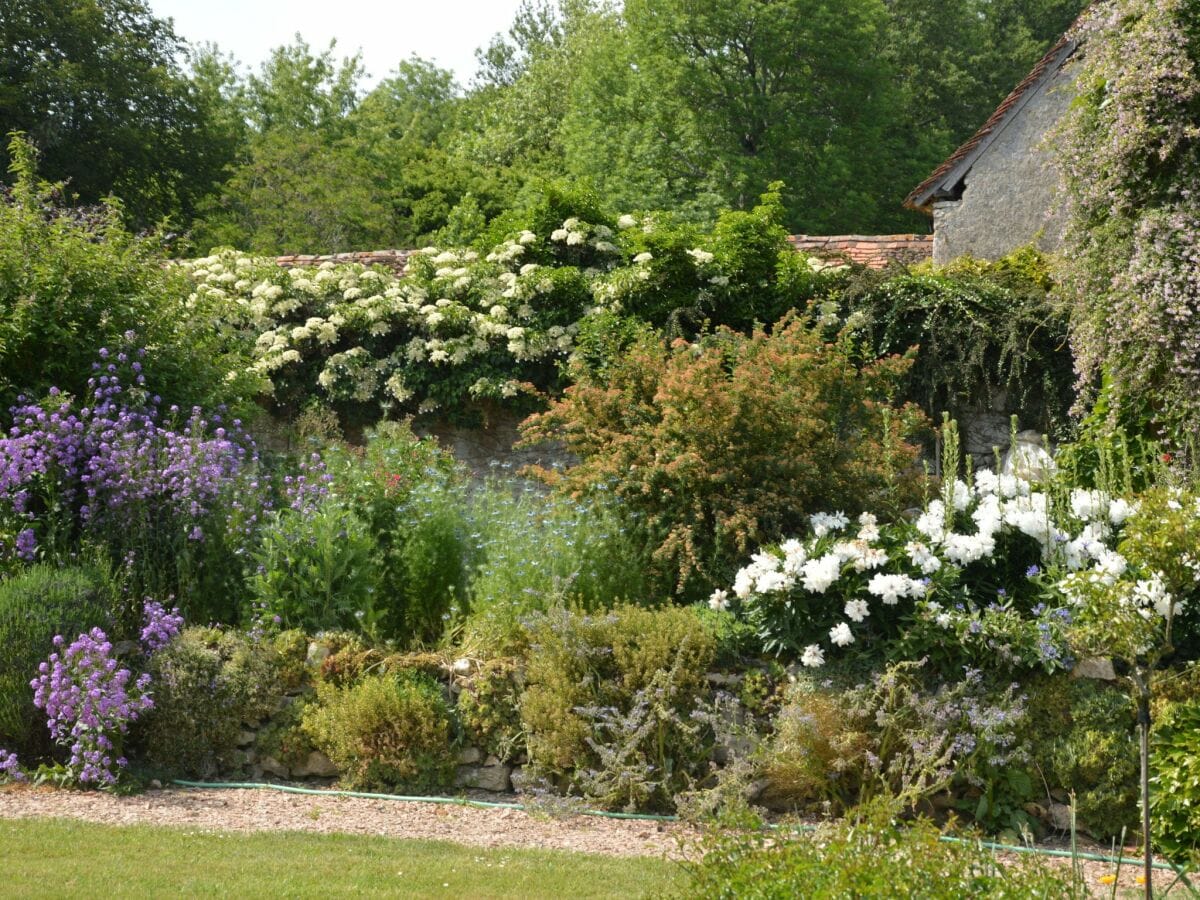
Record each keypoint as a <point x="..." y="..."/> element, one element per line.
<point x="1107" y="879"/>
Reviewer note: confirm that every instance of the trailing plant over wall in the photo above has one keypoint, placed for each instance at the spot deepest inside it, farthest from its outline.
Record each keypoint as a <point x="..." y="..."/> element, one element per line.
<point x="1129" y="152"/>
<point x="987" y="333"/>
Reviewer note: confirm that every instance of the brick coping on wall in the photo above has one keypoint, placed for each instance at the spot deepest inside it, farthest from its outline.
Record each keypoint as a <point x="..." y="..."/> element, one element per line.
<point x="874" y="251"/>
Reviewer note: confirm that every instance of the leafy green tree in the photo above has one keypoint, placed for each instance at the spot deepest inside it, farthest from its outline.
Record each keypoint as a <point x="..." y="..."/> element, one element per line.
<point x="97" y="87"/>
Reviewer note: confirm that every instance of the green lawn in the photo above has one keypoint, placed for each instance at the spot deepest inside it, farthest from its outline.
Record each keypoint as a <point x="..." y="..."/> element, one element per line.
<point x="40" y="858"/>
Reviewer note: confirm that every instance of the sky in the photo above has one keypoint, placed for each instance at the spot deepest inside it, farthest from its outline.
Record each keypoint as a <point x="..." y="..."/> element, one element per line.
<point x="387" y="31"/>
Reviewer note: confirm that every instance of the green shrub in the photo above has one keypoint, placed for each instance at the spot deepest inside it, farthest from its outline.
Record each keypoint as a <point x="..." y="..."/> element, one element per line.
<point x="1086" y="744"/>
<point x="489" y="707"/>
<point x="608" y="703"/>
<point x="208" y="684"/>
<point x="72" y="284"/>
<point x="1175" y="782"/>
<point x="714" y="447"/>
<point x="871" y="855"/>
<point x="36" y="605"/>
<point x="386" y="732"/>
<point x="988" y="333"/>
<point x="413" y="498"/>
<point x="535" y="551"/>
<point x="318" y="569"/>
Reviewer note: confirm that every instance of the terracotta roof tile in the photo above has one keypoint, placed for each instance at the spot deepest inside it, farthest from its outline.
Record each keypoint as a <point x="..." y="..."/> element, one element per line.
<point x="873" y="251"/>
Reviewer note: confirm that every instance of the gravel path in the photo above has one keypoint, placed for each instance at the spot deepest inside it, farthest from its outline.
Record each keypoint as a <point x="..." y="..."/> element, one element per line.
<point x="265" y="810"/>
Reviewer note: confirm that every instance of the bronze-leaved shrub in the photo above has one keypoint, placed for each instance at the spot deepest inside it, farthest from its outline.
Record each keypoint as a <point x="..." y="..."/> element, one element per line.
<point x="715" y="447"/>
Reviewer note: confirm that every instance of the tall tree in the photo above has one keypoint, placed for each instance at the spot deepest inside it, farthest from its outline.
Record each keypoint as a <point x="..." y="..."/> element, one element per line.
<point x="98" y="87"/>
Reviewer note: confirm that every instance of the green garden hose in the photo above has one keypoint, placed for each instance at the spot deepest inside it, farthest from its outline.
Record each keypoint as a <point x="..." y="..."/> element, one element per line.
<point x="484" y="804"/>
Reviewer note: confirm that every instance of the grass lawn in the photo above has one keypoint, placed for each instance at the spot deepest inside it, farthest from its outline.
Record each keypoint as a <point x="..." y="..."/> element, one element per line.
<point x="55" y="857"/>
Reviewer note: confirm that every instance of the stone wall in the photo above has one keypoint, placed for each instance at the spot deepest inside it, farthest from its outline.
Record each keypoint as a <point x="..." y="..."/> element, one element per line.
<point x="875" y="251"/>
<point x="489" y="449"/>
<point x="1009" y="191"/>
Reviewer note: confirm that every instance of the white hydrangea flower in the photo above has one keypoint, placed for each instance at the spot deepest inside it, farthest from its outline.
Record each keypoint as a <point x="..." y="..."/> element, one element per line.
<point x="702" y="257"/>
<point x="559" y="234"/>
<point x="626" y="221"/>
<point x="643" y="257"/>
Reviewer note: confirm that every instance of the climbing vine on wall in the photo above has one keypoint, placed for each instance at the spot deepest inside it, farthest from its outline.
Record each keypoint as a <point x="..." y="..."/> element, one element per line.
<point x="1129" y="153"/>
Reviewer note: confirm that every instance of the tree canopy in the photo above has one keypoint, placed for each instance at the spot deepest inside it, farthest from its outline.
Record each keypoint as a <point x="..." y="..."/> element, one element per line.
<point x="668" y="104"/>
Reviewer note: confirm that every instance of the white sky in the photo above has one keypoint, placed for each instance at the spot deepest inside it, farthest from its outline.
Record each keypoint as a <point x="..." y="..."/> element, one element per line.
<point x="387" y="31"/>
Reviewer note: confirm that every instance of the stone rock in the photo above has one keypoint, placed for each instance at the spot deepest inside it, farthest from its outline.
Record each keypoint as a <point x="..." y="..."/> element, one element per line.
<point x="1059" y="815"/>
<point x="492" y="760"/>
<point x="470" y="756"/>
<point x="317" y="765"/>
<point x="1095" y="667"/>
<point x="462" y="666"/>
<point x="155" y="784"/>
<point x="497" y="779"/>
<point x="271" y="766"/>
<point x="317" y="654"/>
<point x="1029" y="459"/>
<point x="246" y="738"/>
<point x="724" y="679"/>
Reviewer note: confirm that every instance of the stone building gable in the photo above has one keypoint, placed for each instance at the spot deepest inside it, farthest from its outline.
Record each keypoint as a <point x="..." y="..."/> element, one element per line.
<point x="996" y="192"/>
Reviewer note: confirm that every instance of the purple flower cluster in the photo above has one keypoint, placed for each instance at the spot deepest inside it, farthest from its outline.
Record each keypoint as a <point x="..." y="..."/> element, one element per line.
<point x="89" y="704"/>
<point x="26" y="544"/>
<point x="304" y="491"/>
<point x="161" y="625"/>
<point x="9" y="768"/>
<point x="113" y="459"/>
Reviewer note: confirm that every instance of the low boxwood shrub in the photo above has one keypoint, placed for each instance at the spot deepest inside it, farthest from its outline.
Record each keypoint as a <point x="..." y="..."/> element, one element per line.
<point x="35" y="605"/>
<point x="387" y="732"/>
<point x="208" y="685"/>
<point x="1175" y="782"/>
<point x="609" y="701"/>
<point x="1085" y="744"/>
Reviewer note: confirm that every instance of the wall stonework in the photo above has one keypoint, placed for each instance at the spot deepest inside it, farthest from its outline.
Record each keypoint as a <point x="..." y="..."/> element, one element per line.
<point x="1010" y="190"/>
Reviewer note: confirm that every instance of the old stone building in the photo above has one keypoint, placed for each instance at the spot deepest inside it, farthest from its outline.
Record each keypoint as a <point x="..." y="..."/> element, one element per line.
<point x="995" y="193"/>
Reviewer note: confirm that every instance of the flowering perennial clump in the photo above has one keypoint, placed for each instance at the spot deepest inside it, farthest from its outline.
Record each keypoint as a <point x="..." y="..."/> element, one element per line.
<point x="89" y="702"/>
<point x="161" y="626"/>
<point x="102" y="462"/>
<point x="9" y="767"/>
<point x="994" y="568"/>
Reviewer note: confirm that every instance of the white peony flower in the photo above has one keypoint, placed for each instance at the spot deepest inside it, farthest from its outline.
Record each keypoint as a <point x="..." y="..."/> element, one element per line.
<point x="814" y="657"/>
<point x="857" y="610"/>
<point x="841" y="635"/>
<point x="719" y="600"/>
<point x="819" y="574"/>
